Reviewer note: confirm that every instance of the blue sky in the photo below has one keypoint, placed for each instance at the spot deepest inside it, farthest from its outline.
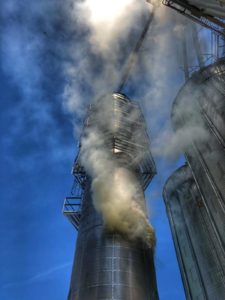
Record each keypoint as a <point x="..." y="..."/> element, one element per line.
<point x="37" y="152"/>
<point x="37" y="242"/>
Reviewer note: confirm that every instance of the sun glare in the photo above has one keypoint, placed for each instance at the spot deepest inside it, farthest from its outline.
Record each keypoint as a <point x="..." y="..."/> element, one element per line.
<point x="106" y="11"/>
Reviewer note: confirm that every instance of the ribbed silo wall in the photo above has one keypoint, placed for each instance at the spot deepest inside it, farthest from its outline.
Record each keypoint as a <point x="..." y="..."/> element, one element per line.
<point x="109" y="266"/>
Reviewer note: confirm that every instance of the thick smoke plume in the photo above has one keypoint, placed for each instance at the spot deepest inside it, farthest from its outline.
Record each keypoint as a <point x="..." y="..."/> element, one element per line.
<point x="86" y="45"/>
<point x="117" y="194"/>
<point x="89" y="43"/>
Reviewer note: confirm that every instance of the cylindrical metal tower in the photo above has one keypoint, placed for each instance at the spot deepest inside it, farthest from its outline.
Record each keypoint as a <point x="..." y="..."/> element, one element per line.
<point x="108" y="264"/>
<point x="195" y="194"/>
<point x="198" y="114"/>
<point x="199" y="254"/>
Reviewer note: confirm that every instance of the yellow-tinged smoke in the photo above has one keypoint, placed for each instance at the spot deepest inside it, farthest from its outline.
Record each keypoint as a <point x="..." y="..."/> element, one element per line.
<point x="117" y="194"/>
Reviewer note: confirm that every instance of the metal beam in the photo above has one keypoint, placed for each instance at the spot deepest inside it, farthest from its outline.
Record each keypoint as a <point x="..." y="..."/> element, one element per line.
<point x="133" y="55"/>
<point x="197" y="15"/>
<point x="197" y="46"/>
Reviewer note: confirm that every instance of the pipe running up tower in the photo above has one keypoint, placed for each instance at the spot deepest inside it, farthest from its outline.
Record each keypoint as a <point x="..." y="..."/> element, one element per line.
<point x="114" y="257"/>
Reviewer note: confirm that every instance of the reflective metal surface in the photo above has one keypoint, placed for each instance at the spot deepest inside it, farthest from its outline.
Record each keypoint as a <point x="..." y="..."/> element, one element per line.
<point x="125" y="134"/>
<point x="195" y="197"/>
<point x="210" y="13"/>
<point x="200" y="255"/>
<point x="200" y="109"/>
<point x="108" y="265"/>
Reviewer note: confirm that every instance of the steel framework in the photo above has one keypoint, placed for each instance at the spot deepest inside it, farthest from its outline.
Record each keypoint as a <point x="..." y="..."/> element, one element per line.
<point x="128" y="143"/>
<point x="197" y="15"/>
<point x="109" y="264"/>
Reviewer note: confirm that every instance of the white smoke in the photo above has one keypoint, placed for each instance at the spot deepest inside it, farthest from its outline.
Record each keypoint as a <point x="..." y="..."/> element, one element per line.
<point x="108" y="25"/>
<point x="96" y="62"/>
<point x="163" y="64"/>
<point x="114" y="191"/>
<point x="107" y="20"/>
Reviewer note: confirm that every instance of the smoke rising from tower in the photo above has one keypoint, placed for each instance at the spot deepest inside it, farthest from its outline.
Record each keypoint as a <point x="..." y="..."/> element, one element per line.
<point x="91" y="62"/>
<point x="117" y="193"/>
<point x="113" y="167"/>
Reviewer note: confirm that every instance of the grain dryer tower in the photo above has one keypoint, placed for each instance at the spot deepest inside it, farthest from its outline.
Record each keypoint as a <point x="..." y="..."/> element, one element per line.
<point x="108" y="264"/>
